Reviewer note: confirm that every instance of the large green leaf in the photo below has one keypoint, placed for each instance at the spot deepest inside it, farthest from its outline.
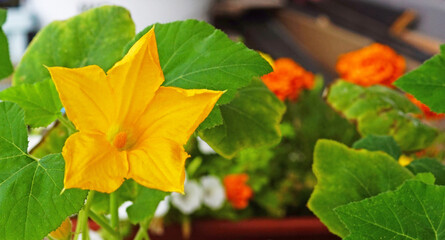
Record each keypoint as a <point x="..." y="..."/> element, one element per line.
<point x="144" y="205"/>
<point x="195" y="55"/>
<point x="5" y="62"/>
<point x="345" y="175"/>
<point x="415" y="211"/>
<point x="250" y="120"/>
<point x="379" y="110"/>
<point x="31" y="205"/>
<point x="379" y="143"/>
<point x="427" y="82"/>
<point x="39" y="100"/>
<point x="431" y="165"/>
<point x="95" y="37"/>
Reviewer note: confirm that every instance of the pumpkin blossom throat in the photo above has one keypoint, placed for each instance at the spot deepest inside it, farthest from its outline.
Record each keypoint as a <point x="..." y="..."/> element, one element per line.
<point x="129" y="125"/>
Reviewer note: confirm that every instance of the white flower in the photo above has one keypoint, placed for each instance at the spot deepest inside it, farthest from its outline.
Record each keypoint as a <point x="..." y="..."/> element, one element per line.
<point x="191" y="200"/>
<point x="204" y="147"/>
<point x="214" y="192"/>
<point x="163" y="207"/>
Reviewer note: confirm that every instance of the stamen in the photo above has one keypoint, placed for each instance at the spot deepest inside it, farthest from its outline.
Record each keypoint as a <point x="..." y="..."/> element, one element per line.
<point x="120" y="140"/>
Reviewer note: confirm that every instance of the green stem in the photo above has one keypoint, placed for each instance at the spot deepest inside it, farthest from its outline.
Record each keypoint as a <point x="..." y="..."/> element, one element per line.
<point x="67" y="123"/>
<point x="102" y="223"/>
<point x="143" y="230"/>
<point x="78" y="227"/>
<point x="114" y="214"/>
<point x="82" y="218"/>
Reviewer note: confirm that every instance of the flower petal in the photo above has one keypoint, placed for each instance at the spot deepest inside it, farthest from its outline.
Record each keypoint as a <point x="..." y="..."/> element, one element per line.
<point x="92" y="163"/>
<point x="158" y="156"/>
<point x="86" y="96"/>
<point x="136" y="78"/>
<point x="175" y="113"/>
<point x="158" y="163"/>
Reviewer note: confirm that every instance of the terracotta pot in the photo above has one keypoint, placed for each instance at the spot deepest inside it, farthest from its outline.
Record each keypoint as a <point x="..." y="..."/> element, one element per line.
<point x="302" y="228"/>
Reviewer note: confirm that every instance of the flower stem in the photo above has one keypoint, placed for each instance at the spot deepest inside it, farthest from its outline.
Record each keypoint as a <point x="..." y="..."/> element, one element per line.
<point x="102" y="223"/>
<point x="82" y="218"/>
<point x="114" y="214"/>
<point x="143" y="230"/>
<point x="67" y="123"/>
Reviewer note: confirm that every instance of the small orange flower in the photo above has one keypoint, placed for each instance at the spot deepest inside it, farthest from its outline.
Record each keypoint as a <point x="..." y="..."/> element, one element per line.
<point x="237" y="191"/>
<point x="288" y="79"/>
<point x="427" y="113"/>
<point x="375" y="64"/>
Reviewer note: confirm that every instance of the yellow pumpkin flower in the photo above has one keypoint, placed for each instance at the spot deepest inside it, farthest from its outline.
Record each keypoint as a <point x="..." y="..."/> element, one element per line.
<point x="129" y="125"/>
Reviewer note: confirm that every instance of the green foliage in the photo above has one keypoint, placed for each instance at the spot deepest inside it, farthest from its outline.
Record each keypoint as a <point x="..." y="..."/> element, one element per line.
<point x="144" y="205"/>
<point x="145" y="201"/>
<point x="381" y="111"/>
<point x="52" y="141"/>
<point x="5" y="63"/>
<point x="345" y="175"/>
<point x="427" y="82"/>
<point x="195" y="55"/>
<point x="251" y="119"/>
<point x="95" y="37"/>
<point x="31" y="205"/>
<point x="39" y="100"/>
<point x="379" y="143"/>
<point x="431" y="165"/>
<point x="128" y="191"/>
<point x="413" y="211"/>
<point x="313" y="119"/>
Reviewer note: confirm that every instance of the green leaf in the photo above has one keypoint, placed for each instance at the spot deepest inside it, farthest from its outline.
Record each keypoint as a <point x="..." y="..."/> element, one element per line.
<point x="379" y="110"/>
<point x="195" y="55"/>
<point x="145" y="204"/>
<point x="52" y="141"/>
<point x="429" y="165"/>
<point x="39" y="100"/>
<point x="379" y="143"/>
<point x="252" y="119"/>
<point x="414" y="211"/>
<point x="31" y="205"/>
<point x="95" y="37"/>
<point x="346" y="175"/>
<point x="5" y="63"/>
<point x="425" y="177"/>
<point x="427" y="82"/>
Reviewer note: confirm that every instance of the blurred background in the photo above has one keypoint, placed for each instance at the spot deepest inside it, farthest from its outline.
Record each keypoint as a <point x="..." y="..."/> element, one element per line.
<point x="313" y="33"/>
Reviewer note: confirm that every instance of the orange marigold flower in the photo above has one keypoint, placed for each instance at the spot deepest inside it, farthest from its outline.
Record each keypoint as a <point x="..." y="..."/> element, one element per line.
<point x="237" y="191"/>
<point x="427" y="113"/>
<point x="375" y="64"/>
<point x="288" y="79"/>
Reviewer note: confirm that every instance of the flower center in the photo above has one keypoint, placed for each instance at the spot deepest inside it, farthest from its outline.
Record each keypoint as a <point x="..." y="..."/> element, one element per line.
<point x="120" y="140"/>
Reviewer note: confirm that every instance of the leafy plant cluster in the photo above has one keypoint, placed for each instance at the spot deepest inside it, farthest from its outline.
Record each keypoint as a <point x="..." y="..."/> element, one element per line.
<point x="352" y="179"/>
<point x="362" y="191"/>
<point x="193" y="55"/>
